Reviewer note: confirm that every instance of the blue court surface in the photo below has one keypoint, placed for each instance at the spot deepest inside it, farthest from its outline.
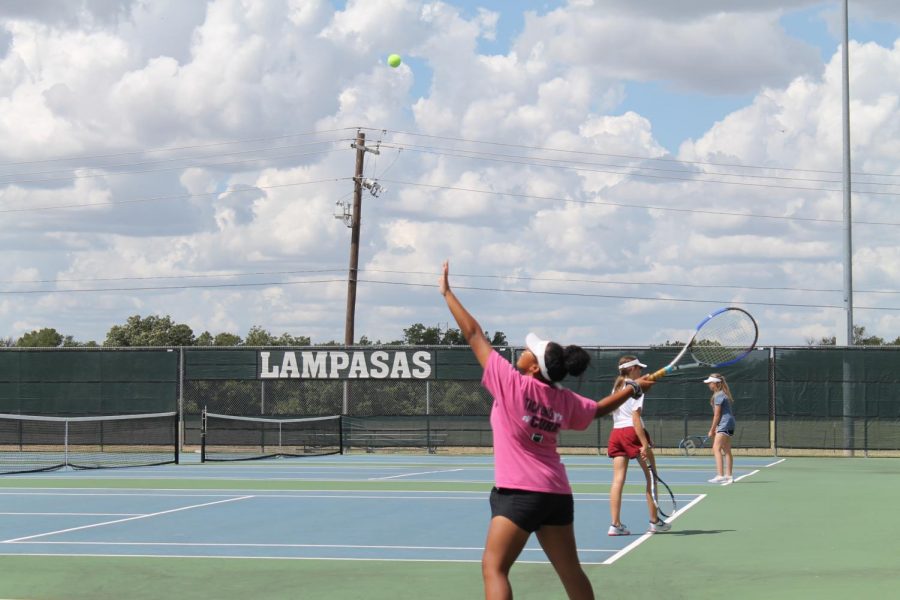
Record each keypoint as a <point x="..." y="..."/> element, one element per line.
<point x="344" y="507"/>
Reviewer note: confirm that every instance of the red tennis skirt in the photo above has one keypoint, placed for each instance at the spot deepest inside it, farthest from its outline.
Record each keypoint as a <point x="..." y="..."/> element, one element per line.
<point x="625" y="442"/>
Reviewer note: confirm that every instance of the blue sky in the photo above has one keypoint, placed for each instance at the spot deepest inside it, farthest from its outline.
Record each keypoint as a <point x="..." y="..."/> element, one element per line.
<point x="676" y="114"/>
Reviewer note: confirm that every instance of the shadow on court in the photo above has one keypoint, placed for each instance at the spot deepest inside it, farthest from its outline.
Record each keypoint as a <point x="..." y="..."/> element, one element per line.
<point x="698" y="532"/>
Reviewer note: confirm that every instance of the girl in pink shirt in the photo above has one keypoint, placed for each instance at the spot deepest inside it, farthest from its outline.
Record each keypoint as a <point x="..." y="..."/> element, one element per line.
<point x="532" y="492"/>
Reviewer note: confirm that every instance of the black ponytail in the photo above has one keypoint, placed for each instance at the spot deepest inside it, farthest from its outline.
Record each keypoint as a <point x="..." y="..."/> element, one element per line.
<point x="577" y="360"/>
<point x="571" y="360"/>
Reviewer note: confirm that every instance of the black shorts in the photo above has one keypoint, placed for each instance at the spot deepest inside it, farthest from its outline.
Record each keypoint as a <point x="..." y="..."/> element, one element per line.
<point x="531" y="510"/>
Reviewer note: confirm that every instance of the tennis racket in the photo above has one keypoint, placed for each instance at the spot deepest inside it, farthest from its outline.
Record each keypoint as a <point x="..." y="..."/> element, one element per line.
<point x="665" y="502"/>
<point x="690" y="445"/>
<point x="722" y="338"/>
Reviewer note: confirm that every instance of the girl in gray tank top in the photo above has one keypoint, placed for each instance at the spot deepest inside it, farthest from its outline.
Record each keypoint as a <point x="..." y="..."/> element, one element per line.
<point x="722" y="428"/>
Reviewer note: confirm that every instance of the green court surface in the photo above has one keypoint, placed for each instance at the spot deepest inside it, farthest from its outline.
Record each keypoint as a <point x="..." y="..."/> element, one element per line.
<point x="802" y="528"/>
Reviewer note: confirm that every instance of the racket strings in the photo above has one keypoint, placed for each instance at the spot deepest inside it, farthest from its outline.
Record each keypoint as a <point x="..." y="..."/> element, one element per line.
<point x="665" y="502"/>
<point x="724" y="338"/>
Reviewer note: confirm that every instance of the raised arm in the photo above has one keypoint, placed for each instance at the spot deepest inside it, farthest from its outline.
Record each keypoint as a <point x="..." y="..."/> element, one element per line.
<point x="468" y="326"/>
<point x="616" y="399"/>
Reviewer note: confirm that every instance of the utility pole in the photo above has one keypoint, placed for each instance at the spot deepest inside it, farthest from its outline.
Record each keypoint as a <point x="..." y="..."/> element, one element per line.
<point x="353" y="222"/>
<point x="849" y="404"/>
<point x="355" y="218"/>
<point x="848" y="213"/>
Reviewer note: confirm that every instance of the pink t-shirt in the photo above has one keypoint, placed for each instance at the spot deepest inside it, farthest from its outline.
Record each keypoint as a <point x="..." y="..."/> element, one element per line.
<point x="526" y="418"/>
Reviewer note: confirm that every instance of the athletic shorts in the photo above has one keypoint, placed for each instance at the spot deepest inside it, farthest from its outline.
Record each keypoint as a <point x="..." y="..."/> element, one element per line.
<point x="532" y="510"/>
<point x="625" y="442"/>
<point x="728" y="431"/>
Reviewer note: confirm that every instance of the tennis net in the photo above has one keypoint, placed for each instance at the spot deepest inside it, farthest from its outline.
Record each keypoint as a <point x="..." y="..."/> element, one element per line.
<point x="31" y="443"/>
<point x="229" y="437"/>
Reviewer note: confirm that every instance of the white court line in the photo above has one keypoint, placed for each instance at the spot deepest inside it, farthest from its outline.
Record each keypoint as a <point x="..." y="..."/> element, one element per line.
<point x="320" y="479"/>
<point x="742" y="477"/>
<point x="156" y="514"/>
<point x="263" y="493"/>
<point x="214" y="557"/>
<point x="342" y="546"/>
<point x="242" y="545"/>
<point x="648" y="535"/>
<point x="413" y="474"/>
<point x="777" y="462"/>
<point x="69" y="514"/>
<point x="339" y="495"/>
<point x="137" y="493"/>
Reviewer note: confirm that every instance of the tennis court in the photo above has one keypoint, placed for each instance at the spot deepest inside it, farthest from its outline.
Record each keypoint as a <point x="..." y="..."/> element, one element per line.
<point x="405" y="526"/>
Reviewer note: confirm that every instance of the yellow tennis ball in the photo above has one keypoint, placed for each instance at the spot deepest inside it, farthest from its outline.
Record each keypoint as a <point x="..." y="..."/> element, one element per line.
<point x="394" y="60"/>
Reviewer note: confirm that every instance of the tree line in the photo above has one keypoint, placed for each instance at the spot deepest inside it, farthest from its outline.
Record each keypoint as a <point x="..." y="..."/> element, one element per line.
<point x="860" y="338"/>
<point x="155" y="330"/>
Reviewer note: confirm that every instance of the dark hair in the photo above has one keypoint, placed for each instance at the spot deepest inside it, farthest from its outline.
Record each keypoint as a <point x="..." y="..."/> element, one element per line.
<point x="571" y="360"/>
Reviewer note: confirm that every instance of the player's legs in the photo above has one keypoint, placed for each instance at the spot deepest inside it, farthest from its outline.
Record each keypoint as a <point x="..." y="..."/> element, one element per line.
<point x="648" y="491"/>
<point x="620" y="470"/>
<point x="558" y="543"/>
<point x="726" y="450"/>
<point x="505" y="541"/>
<point x="717" y="453"/>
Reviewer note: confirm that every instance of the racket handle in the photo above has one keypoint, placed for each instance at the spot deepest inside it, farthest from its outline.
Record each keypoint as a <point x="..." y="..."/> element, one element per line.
<point x="658" y="375"/>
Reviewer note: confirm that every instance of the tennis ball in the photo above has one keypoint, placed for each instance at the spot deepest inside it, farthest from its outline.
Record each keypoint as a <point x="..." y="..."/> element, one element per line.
<point x="394" y="60"/>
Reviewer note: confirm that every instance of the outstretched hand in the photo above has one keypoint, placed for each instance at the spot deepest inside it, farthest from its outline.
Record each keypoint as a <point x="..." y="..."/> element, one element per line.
<point x="444" y="282"/>
<point x="468" y="326"/>
<point x="645" y="382"/>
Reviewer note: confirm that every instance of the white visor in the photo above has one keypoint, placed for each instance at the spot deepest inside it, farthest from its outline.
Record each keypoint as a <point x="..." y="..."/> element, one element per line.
<point x="632" y="363"/>
<point x="712" y="379"/>
<point x="537" y="346"/>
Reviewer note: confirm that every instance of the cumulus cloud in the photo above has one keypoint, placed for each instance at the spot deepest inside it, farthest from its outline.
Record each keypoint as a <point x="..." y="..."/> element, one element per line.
<point x="214" y="141"/>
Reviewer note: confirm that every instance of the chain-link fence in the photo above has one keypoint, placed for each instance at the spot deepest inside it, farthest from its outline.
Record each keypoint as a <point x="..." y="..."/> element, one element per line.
<point x="821" y="398"/>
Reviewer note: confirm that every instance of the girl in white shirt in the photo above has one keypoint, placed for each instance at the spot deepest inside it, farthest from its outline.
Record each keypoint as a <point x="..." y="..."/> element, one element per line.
<point x="629" y="439"/>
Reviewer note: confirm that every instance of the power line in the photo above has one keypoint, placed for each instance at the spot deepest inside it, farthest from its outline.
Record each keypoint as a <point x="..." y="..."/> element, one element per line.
<point x="169" y="160"/>
<point x="565" y="164"/>
<point x="696" y="178"/>
<point x="176" y="168"/>
<point x="156" y="277"/>
<point x="621" y="297"/>
<point x="173" y="197"/>
<point x="629" y="156"/>
<point x="173" y="148"/>
<point x="615" y="282"/>
<point x="623" y="205"/>
<point x="460" y="275"/>
<point x="83" y="157"/>
<point x="171" y="287"/>
<point x="423" y="285"/>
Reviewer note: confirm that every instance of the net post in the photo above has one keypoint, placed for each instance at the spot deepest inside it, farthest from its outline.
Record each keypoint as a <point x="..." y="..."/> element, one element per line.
<point x="177" y="425"/>
<point x="428" y="447"/>
<point x="341" y="434"/>
<point x="203" y="435"/>
<point x="865" y="426"/>
<point x="66" y="442"/>
<point x="773" y="407"/>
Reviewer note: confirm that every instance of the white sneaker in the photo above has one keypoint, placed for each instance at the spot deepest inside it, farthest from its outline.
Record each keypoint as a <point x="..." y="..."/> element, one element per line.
<point x="718" y="479"/>
<point x="659" y="526"/>
<point x="620" y="530"/>
<point x="728" y="479"/>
